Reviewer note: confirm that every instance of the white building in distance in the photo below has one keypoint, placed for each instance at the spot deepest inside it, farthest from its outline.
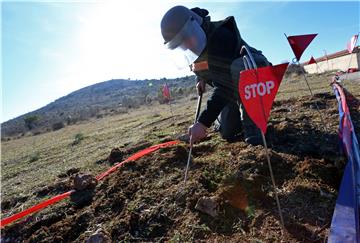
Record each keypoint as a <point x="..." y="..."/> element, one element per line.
<point x="339" y="61"/>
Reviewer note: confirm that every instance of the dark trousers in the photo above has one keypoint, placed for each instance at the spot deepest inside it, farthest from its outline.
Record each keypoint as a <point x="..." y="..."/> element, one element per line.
<point x="230" y="122"/>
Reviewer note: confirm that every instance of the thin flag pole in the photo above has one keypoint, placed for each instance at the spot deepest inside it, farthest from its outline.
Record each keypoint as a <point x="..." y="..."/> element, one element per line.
<point x="253" y="65"/>
<point x="346" y="76"/>
<point x="307" y="83"/>
<point x="312" y="95"/>
<point x="348" y="65"/>
<point x="316" y="64"/>
<point x="273" y="181"/>
<point x="172" y="114"/>
<point x="171" y="111"/>
<point x="317" y="67"/>
<point x="327" y="59"/>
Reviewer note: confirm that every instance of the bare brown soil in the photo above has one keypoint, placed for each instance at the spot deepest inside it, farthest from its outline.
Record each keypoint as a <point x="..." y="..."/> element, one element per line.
<point x="147" y="201"/>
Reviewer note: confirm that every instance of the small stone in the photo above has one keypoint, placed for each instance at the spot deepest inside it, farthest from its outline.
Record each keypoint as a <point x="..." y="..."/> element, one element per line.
<point x="84" y="181"/>
<point x="282" y="126"/>
<point x="72" y="171"/>
<point x="69" y="172"/>
<point x="100" y="236"/>
<point x="207" y="205"/>
<point x="116" y="155"/>
<point x="82" y="198"/>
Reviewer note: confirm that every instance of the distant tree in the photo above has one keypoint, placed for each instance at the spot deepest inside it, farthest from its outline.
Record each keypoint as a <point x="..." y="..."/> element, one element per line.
<point x="57" y="126"/>
<point x="30" y="121"/>
<point x="180" y="91"/>
<point x="295" y="69"/>
<point x="69" y="119"/>
<point x="93" y="111"/>
<point x="149" y="99"/>
<point x="130" y="102"/>
<point x="125" y="102"/>
<point x="144" y="94"/>
<point x="159" y="95"/>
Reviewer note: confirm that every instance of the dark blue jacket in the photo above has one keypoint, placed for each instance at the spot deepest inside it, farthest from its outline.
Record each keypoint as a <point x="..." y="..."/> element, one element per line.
<point x="223" y="47"/>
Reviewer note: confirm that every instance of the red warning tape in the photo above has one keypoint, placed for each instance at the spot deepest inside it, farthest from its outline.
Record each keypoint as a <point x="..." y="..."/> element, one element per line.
<point x="136" y="156"/>
<point x="60" y="197"/>
<point x="35" y="208"/>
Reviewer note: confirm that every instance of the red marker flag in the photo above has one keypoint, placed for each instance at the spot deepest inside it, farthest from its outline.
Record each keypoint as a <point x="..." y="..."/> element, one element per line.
<point x="299" y="43"/>
<point x="312" y="60"/>
<point x="257" y="89"/>
<point x="352" y="43"/>
<point x="166" y="91"/>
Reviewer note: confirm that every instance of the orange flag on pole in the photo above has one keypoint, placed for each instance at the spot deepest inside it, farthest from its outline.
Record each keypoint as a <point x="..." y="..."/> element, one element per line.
<point x="312" y="60"/>
<point x="299" y="43"/>
<point x="166" y="91"/>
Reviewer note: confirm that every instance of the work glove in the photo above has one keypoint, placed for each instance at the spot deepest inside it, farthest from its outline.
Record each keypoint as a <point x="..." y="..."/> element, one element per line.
<point x="200" y="87"/>
<point x="197" y="132"/>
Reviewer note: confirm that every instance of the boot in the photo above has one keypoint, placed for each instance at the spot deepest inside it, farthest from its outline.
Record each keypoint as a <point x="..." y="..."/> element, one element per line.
<point x="252" y="134"/>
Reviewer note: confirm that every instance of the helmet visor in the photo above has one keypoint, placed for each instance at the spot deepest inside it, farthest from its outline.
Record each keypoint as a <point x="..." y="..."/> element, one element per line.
<point x="190" y="42"/>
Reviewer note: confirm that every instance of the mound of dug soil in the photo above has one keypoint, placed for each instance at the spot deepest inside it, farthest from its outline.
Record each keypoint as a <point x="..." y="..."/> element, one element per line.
<point x="147" y="201"/>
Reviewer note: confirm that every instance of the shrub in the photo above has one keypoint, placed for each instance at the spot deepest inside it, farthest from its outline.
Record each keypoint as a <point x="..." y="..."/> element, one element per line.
<point x="294" y="69"/>
<point x="57" y="126"/>
<point x="69" y="120"/>
<point x="36" y="132"/>
<point x="5" y="139"/>
<point x="30" y="121"/>
<point x="78" y="138"/>
<point x="34" y="157"/>
<point x="180" y="91"/>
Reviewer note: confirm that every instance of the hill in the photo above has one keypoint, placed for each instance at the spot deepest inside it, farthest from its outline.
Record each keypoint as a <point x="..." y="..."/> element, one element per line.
<point x="102" y="99"/>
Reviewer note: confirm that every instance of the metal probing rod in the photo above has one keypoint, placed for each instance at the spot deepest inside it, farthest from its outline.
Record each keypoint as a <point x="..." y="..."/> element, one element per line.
<point x="191" y="145"/>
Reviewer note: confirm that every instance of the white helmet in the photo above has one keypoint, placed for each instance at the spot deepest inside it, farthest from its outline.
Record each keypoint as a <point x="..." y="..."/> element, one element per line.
<point x="182" y="33"/>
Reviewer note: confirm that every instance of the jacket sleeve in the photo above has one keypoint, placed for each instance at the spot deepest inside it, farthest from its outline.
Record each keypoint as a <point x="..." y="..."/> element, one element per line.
<point x="221" y="52"/>
<point x="213" y="107"/>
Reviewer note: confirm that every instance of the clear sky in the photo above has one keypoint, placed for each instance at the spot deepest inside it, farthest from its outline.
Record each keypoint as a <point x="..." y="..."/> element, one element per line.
<point x="51" y="48"/>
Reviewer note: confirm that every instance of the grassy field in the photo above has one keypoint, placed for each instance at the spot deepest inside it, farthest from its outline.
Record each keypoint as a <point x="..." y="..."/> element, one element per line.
<point x="295" y="86"/>
<point x="32" y="162"/>
<point x="35" y="161"/>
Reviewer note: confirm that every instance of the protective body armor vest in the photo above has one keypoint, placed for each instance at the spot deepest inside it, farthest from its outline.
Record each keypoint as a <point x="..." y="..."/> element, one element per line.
<point x="223" y="47"/>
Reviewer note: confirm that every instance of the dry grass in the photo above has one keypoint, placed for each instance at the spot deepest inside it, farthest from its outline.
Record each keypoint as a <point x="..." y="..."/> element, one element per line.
<point x="295" y="86"/>
<point x="35" y="161"/>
